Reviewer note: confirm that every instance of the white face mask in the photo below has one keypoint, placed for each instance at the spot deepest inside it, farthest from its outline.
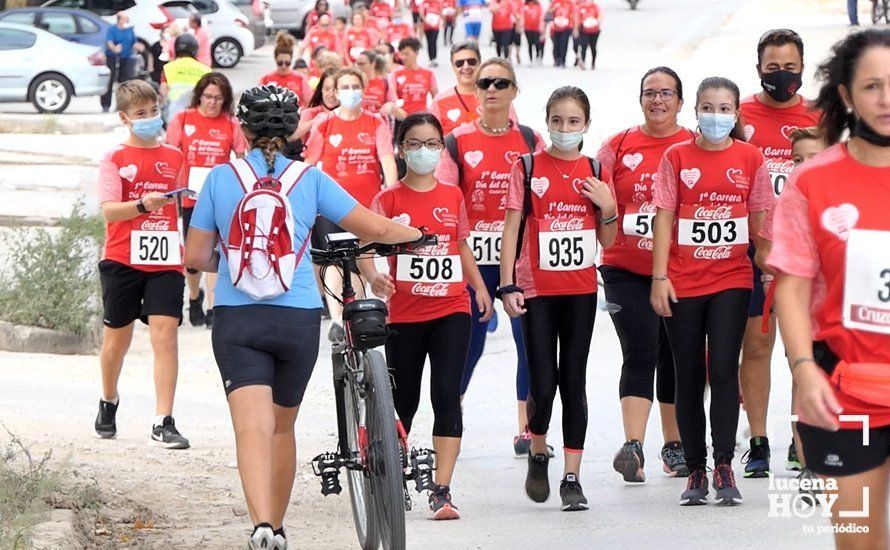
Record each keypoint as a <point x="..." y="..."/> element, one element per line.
<point x="423" y="161"/>
<point x="566" y="141"/>
<point x="349" y="99"/>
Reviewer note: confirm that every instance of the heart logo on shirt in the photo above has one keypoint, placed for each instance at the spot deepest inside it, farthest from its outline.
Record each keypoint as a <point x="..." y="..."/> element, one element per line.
<point x="403" y="219"/>
<point x="401" y="80"/>
<point x="540" y="186"/>
<point x="440" y="213"/>
<point x="690" y="176"/>
<point x="840" y="220"/>
<point x="733" y="174"/>
<point x="473" y="158"/>
<point x="128" y="172"/>
<point x="453" y="115"/>
<point x="189" y="129"/>
<point x="578" y="185"/>
<point x="632" y="161"/>
<point x="749" y="132"/>
<point x="787" y="130"/>
<point x="335" y="140"/>
<point x="512" y="156"/>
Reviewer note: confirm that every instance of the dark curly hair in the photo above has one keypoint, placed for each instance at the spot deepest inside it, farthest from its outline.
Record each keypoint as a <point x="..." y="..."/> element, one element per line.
<point x="220" y="81"/>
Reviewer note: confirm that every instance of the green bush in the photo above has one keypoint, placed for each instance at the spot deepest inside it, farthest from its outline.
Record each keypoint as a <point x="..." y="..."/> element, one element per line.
<point x="26" y="487"/>
<point x="51" y="278"/>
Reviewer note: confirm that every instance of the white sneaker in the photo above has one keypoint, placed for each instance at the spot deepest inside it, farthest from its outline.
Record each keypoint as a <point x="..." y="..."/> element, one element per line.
<point x="280" y="543"/>
<point x="262" y="538"/>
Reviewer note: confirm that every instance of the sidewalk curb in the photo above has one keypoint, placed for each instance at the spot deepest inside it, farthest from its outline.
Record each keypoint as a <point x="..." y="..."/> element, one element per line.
<point x="24" y="339"/>
<point x="56" y="124"/>
<point x="57" y="533"/>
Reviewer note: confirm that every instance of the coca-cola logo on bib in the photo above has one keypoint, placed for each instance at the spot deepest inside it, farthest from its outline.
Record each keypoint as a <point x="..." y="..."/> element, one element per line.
<point x="489" y="226"/>
<point x="566" y="224"/>
<point x="645" y="244"/>
<point x="156" y="225"/>
<point x="712" y="253"/>
<point x="713" y="213"/>
<point x="432" y="290"/>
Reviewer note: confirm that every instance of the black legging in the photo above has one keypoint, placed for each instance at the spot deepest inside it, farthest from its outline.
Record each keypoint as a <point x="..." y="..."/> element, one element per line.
<point x="449" y="33"/>
<point x="431" y="38"/>
<point x="561" y="47"/>
<point x="706" y="335"/>
<point x="502" y="40"/>
<point x="535" y="46"/>
<point x="446" y="341"/>
<point x="557" y="333"/>
<point x="585" y="41"/>
<point x="644" y="343"/>
<point x="121" y="71"/>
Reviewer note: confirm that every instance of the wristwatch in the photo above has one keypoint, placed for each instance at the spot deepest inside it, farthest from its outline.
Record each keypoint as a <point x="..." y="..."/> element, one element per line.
<point x="141" y="207"/>
<point x="507" y="289"/>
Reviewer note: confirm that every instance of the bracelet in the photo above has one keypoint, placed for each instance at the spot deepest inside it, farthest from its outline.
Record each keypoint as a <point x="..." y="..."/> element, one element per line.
<point x="507" y="289"/>
<point x="799" y="361"/>
<point x="660" y="277"/>
<point x="141" y="207"/>
<point x="767" y="278"/>
<point x="613" y="219"/>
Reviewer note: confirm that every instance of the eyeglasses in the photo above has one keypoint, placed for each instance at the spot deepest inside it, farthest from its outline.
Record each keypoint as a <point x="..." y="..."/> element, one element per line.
<point x="415" y="144"/>
<point x="499" y="83"/>
<point x="283" y="63"/>
<point x="666" y="94"/>
<point x="471" y="61"/>
<point x="215" y="98"/>
<point x="348" y="87"/>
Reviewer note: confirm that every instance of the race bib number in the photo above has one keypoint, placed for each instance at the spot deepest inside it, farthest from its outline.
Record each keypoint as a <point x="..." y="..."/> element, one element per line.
<point x="356" y="51"/>
<point x="473" y="14"/>
<point x="713" y="232"/>
<point x="561" y="21"/>
<point x="591" y="22"/>
<point x="867" y="281"/>
<point x="197" y="176"/>
<point x="155" y="248"/>
<point x="429" y="269"/>
<point x="566" y="244"/>
<point x="449" y="12"/>
<point x="432" y="19"/>
<point x="778" y="180"/>
<point x="638" y="219"/>
<point x="486" y="246"/>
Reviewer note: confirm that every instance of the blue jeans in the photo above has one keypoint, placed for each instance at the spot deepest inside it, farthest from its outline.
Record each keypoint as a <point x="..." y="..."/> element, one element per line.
<point x="853" y="11"/>
<point x="473" y="29"/>
<point x="492" y="277"/>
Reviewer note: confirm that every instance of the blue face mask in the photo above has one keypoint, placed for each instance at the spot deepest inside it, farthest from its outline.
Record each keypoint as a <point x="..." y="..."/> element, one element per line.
<point x="422" y="161"/>
<point x="148" y="128"/>
<point x="566" y="141"/>
<point x="716" y="127"/>
<point x="350" y="99"/>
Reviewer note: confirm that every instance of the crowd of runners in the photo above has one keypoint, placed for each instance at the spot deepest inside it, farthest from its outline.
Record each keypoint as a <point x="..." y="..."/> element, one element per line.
<point x="701" y="238"/>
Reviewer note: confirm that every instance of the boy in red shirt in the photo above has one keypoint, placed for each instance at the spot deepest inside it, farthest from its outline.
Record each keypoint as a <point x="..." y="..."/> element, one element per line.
<point x="414" y="85"/>
<point x="141" y="268"/>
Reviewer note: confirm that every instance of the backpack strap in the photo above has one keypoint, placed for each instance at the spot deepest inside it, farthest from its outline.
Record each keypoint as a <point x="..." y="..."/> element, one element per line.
<point x="245" y="173"/>
<point x="595" y="167"/>
<point x="528" y="168"/>
<point x="291" y="176"/>
<point x="528" y="136"/>
<point x="451" y="146"/>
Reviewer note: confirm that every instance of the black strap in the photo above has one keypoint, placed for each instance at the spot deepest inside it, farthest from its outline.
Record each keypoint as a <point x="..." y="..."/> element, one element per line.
<point x="595" y="167"/>
<point x="461" y="99"/>
<point x="528" y="135"/>
<point x="618" y="149"/>
<point x="825" y="358"/>
<point x="451" y="146"/>
<point x="528" y="168"/>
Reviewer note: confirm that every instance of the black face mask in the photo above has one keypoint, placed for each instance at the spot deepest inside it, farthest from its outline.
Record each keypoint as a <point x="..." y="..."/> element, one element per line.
<point x="866" y="132"/>
<point x="781" y="85"/>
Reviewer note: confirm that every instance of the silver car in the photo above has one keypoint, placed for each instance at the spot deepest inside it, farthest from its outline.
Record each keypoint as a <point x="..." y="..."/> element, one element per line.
<point x="290" y="15"/>
<point x="47" y="70"/>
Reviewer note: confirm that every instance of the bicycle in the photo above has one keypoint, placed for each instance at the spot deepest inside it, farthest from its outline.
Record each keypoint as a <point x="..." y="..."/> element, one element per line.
<point x="372" y="444"/>
<point x="880" y="9"/>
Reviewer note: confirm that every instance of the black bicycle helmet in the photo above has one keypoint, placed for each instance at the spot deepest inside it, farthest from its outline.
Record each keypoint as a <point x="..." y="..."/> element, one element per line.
<point x="269" y="111"/>
<point x="185" y="45"/>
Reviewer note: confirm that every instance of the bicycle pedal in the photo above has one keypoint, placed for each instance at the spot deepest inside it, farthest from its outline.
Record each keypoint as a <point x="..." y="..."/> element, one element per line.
<point x="422" y="467"/>
<point x="327" y="467"/>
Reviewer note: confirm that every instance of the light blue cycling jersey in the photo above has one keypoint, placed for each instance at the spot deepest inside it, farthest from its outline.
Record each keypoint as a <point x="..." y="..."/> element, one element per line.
<point x="316" y="193"/>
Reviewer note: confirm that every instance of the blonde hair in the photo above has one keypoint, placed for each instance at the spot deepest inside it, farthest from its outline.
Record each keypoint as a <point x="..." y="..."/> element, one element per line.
<point x="134" y="92"/>
<point x="327" y="59"/>
<point x="499" y="62"/>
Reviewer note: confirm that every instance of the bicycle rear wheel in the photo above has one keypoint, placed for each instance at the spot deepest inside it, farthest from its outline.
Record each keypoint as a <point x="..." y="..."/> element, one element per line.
<point x="383" y="458"/>
<point x="363" y="510"/>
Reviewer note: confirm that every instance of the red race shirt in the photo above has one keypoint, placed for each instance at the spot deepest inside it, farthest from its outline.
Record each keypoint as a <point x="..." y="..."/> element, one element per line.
<point x="564" y="14"/>
<point x="502" y="15"/>
<point x="712" y="193"/>
<point x="413" y="86"/>
<point x="206" y="142"/>
<point x="380" y="10"/>
<point x="532" y="15"/>
<point x="293" y="81"/>
<point x="487" y="165"/>
<point x="431" y="12"/>
<point x="149" y="242"/>
<point x="396" y="33"/>
<point x="375" y="94"/>
<point x="589" y="14"/>
<point x="453" y="109"/>
<point x="359" y="40"/>
<point x="839" y="236"/>
<point x="559" y="246"/>
<point x="429" y="284"/>
<point x="632" y="158"/>
<point x="770" y="129"/>
<point x="318" y="36"/>
<point x="350" y="152"/>
<point x="449" y="10"/>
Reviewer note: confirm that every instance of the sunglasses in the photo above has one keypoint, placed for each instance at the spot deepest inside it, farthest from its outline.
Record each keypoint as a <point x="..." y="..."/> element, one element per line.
<point x="283" y="63"/>
<point x="471" y="61"/>
<point x="499" y="83"/>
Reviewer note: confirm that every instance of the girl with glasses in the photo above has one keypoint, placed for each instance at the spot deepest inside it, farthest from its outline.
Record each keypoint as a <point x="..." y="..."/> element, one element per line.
<point x="284" y="75"/>
<point x="480" y="158"/>
<point x="429" y="306"/>
<point x="632" y="157"/>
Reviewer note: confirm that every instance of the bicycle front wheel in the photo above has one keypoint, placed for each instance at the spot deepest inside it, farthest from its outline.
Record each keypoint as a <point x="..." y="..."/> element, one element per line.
<point x="383" y="459"/>
<point x="363" y="511"/>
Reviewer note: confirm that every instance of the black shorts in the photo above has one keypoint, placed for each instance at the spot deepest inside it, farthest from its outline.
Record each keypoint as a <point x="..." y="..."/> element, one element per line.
<point x="267" y="346"/>
<point x="516" y="39"/>
<point x="415" y="16"/>
<point x="129" y="294"/>
<point x="186" y="222"/>
<point x="842" y="453"/>
<point x="758" y="296"/>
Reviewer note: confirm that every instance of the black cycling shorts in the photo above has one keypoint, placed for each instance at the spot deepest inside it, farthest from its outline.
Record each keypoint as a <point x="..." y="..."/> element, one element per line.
<point x="516" y="39"/>
<point x="129" y="294"/>
<point x="758" y="296"/>
<point x="186" y="222"/>
<point x="842" y="453"/>
<point x="267" y="346"/>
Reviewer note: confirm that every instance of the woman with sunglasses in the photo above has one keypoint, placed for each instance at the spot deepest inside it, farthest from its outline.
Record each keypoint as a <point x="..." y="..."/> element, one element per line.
<point x="458" y="104"/>
<point x="480" y="159"/>
<point x="711" y="193"/>
<point x="429" y="306"/>
<point x="632" y="157"/>
<point x="354" y="147"/>
<point x="284" y="75"/>
<point x="207" y="133"/>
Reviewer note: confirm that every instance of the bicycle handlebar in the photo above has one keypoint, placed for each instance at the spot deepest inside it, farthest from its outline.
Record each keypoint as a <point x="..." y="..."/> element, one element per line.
<point x="349" y="249"/>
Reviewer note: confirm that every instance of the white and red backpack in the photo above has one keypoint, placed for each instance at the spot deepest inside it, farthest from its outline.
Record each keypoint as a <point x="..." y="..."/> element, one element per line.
<point x="260" y="247"/>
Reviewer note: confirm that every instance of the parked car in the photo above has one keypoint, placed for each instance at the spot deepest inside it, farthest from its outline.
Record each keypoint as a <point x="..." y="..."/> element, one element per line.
<point x="255" y="11"/>
<point x="290" y="15"/>
<point x="228" y="28"/>
<point x="73" y="25"/>
<point x="47" y="70"/>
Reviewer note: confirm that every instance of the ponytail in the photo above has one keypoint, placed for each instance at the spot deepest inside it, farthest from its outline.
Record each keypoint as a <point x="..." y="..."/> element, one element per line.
<point x="269" y="146"/>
